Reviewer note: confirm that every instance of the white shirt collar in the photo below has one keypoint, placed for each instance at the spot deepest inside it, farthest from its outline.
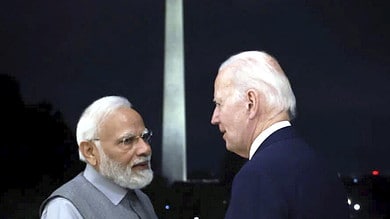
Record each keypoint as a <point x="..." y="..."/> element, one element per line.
<point x="113" y="191"/>
<point x="264" y="134"/>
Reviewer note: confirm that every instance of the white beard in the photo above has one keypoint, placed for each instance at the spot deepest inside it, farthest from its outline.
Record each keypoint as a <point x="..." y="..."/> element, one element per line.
<point x="123" y="175"/>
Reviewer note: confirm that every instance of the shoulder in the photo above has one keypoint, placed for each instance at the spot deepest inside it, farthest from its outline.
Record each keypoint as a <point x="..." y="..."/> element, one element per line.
<point x="59" y="207"/>
<point x="61" y="196"/>
<point x="72" y="187"/>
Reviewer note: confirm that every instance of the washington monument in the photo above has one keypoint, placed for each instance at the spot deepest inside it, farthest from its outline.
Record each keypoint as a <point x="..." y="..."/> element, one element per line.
<point x="174" y="159"/>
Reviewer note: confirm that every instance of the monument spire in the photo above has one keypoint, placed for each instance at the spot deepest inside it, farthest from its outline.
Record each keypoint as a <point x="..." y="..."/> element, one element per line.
<point x="174" y="162"/>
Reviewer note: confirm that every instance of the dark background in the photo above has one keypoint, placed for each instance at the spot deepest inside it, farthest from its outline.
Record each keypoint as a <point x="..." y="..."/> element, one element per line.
<point x="59" y="56"/>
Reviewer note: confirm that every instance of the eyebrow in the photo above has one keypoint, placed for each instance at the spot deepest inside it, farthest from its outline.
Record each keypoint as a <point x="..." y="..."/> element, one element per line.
<point x="131" y="134"/>
<point x="126" y="135"/>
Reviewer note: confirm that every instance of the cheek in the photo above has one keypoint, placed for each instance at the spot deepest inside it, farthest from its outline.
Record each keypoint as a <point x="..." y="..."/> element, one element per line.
<point x="122" y="157"/>
<point x="234" y="115"/>
<point x="127" y="157"/>
<point x="226" y="114"/>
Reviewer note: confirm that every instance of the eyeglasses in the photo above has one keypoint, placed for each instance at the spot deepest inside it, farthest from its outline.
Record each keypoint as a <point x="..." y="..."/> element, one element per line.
<point x="129" y="140"/>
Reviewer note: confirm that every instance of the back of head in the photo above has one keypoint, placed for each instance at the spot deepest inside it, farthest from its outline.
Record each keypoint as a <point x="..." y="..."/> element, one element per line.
<point x="260" y="71"/>
<point x="94" y="114"/>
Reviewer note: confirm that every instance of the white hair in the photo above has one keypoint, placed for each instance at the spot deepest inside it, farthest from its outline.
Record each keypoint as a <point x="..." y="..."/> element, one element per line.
<point x="260" y="71"/>
<point x="90" y="120"/>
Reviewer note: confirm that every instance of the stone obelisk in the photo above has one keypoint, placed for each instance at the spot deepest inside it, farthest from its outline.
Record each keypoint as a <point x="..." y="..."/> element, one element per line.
<point x="174" y="158"/>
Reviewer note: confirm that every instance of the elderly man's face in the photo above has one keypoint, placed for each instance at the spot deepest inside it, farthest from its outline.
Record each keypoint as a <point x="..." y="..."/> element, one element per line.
<point x="231" y="115"/>
<point x="124" y="155"/>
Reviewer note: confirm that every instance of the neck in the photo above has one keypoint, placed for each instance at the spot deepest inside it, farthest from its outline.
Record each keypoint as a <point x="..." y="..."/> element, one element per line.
<point x="263" y="125"/>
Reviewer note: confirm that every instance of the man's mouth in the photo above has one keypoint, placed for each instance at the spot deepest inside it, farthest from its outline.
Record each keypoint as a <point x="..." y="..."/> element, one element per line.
<point x="141" y="165"/>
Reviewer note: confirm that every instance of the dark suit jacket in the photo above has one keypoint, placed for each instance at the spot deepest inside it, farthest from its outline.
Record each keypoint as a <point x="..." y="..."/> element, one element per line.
<point x="287" y="179"/>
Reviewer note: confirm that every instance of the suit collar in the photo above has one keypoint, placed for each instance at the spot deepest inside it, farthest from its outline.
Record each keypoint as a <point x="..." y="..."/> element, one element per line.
<point x="281" y="134"/>
<point x="264" y="135"/>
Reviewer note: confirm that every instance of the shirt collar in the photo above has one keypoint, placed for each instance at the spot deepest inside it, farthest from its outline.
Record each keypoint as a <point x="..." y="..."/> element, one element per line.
<point x="114" y="192"/>
<point x="264" y="134"/>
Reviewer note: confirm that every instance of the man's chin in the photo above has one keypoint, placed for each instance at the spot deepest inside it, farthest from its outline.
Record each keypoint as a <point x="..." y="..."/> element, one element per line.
<point x="142" y="179"/>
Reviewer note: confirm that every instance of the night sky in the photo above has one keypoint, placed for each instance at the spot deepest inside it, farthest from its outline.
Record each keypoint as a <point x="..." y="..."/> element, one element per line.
<point x="336" y="54"/>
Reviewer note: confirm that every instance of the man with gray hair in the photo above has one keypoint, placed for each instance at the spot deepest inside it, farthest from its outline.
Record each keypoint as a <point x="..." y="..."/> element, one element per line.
<point x="284" y="177"/>
<point x="115" y="145"/>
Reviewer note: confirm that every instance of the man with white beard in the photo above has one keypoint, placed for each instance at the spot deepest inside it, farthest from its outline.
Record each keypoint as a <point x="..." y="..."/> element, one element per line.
<point x="115" y="145"/>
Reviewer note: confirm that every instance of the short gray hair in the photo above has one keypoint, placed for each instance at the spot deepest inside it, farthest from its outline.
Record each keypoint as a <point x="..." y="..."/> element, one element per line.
<point x="260" y="71"/>
<point x="90" y="120"/>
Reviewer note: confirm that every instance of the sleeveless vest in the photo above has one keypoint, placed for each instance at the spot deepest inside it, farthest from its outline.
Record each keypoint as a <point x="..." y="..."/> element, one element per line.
<point x="93" y="204"/>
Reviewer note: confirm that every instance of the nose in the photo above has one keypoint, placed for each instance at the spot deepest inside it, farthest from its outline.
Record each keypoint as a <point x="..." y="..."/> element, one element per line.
<point x="143" y="148"/>
<point x="214" y="117"/>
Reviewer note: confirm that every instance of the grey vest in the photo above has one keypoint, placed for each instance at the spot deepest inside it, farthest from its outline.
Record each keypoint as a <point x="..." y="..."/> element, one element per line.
<point x="92" y="204"/>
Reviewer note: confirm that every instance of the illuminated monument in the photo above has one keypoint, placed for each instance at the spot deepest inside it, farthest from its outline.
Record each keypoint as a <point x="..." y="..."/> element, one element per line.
<point x="174" y="162"/>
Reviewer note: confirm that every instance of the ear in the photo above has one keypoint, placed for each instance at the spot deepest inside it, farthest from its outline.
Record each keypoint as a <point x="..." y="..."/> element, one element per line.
<point x="90" y="152"/>
<point x="252" y="102"/>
